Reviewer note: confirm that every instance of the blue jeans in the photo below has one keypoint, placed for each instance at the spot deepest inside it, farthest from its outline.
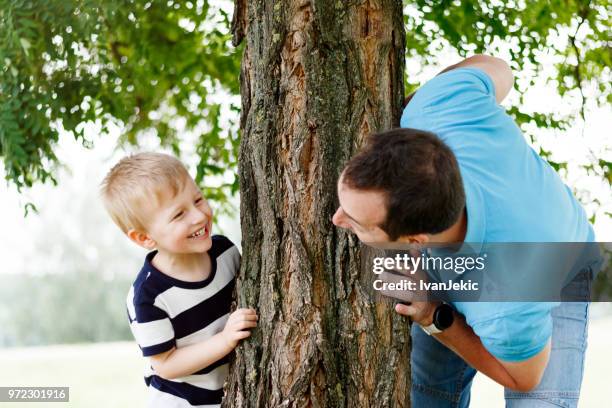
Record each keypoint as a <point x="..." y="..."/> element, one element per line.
<point x="440" y="378"/>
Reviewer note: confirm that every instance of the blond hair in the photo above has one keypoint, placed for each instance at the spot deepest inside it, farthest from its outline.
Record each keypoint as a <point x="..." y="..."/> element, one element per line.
<point x="135" y="181"/>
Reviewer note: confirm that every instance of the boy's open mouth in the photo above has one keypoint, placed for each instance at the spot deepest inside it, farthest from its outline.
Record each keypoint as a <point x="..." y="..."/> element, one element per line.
<point x="199" y="233"/>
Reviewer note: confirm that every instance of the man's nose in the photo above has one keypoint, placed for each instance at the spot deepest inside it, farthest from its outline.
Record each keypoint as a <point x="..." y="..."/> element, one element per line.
<point x="337" y="218"/>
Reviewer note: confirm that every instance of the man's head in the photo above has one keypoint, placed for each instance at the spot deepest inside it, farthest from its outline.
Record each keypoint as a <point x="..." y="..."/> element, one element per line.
<point x="156" y="203"/>
<point x="404" y="184"/>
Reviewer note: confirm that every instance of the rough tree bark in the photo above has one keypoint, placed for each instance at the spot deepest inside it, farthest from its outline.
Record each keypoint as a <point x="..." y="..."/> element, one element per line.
<point x="317" y="77"/>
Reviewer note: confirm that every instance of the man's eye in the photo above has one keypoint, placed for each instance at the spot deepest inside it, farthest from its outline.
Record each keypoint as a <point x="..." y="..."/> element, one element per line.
<point x="198" y="201"/>
<point x="178" y="215"/>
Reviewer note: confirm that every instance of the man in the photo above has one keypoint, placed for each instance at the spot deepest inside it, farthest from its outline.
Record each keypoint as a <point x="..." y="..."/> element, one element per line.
<point x="461" y="171"/>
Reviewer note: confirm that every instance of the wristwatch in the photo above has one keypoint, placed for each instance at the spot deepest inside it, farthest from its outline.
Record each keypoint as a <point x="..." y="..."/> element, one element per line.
<point x="442" y="319"/>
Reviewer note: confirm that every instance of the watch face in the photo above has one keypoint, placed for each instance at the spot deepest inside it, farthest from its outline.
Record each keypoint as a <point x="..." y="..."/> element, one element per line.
<point x="443" y="317"/>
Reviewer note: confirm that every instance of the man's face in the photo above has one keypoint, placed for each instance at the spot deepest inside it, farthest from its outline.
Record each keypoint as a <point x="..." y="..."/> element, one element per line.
<point x="362" y="212"/>
<point x="182" y="224"/>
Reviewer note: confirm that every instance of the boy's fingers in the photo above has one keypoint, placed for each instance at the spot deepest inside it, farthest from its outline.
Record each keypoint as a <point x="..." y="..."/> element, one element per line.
<point x="242" y="334"/>
<point x="238" y="314"/>
<point x="242" y="324"/>
<point x="241" y="315"/>
<point x="246" y="324"/>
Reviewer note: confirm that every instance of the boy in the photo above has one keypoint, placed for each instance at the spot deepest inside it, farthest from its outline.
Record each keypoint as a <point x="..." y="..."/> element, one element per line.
<point x="179" y="304"/>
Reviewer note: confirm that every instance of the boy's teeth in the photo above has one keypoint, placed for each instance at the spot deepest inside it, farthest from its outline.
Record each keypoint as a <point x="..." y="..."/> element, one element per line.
<point x="197" y="233"/>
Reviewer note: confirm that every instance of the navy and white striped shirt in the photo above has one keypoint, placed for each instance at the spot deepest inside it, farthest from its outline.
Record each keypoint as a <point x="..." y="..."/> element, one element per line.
<point x="165" y="312"/>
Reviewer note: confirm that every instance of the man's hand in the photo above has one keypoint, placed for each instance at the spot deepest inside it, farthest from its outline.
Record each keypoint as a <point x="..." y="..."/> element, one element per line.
<point x="414" y="303"/>
<point x="419" y="312"/>
<point x="237" y="324"/>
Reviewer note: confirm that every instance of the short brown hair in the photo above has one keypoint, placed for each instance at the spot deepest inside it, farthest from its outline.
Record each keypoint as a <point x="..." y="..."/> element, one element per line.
<point x="136" y="180"/>
<point x="419" y="175"/>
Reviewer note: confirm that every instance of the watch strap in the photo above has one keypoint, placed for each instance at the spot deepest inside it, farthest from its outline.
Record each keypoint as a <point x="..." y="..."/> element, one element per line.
<point x="442" y="319"/>
<point x="431" y="329"/>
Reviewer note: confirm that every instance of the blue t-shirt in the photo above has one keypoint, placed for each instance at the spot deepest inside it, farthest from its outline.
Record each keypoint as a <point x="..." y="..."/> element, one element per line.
<point x="512" y="195"/>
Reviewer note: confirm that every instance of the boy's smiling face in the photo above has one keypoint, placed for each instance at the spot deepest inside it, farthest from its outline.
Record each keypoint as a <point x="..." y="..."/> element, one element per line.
<point x="179" y="224"/>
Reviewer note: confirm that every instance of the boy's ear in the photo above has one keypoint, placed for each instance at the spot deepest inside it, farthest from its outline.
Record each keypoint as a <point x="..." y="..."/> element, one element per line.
<point x="141" y="239"/>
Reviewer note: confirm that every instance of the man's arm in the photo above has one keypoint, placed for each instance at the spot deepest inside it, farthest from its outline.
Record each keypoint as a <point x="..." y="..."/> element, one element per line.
<point x="520" y="376"/>
<point x="497" y="69"/>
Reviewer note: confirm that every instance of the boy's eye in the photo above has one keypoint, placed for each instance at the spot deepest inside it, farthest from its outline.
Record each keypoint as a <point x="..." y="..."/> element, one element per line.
<point x="198" y="201"/>
<point x="177" y="215"/>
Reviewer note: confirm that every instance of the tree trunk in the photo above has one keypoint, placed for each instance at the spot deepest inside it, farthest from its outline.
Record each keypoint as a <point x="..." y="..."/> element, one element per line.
<point x="317" y="77"/>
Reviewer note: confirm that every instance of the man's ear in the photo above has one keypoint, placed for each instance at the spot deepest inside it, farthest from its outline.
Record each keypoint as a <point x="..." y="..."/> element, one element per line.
<point x="414" y="239"/>
<point x="141" y="239"/>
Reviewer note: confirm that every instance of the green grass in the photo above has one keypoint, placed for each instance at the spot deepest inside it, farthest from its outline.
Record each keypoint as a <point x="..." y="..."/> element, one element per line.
<point x="104" y="375"/>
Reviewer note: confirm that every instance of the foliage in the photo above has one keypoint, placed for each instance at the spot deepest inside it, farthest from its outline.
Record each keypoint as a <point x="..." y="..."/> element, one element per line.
<point x="573" y="33"/>
<point x="148" y="66"/>
<point x="153" y="67"/>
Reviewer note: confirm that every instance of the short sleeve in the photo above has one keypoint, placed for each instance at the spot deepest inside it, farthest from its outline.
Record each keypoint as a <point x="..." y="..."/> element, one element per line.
<point x="460" y="92"/>
<point x="220" y="244"/>
<point x="225" y="253"/>
<point x="519" y="335"/>
<point x="152" y="328"/>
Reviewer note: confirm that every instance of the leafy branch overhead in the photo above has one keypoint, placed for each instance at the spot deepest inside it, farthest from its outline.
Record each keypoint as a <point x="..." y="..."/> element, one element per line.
<point x="145" y="66"/>
<point x="160" y="66"/>
<point x="574" y="34"/>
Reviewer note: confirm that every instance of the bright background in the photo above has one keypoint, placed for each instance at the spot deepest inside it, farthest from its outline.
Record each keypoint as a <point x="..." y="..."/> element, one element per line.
<point x="73" y="242"/>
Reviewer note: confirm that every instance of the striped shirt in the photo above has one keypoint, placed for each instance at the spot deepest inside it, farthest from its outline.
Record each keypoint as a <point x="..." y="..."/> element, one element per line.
<point x="165" y="312"/>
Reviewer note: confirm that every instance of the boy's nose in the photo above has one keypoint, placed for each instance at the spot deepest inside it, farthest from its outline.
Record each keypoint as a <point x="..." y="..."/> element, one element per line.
<point x="200" y="216"/>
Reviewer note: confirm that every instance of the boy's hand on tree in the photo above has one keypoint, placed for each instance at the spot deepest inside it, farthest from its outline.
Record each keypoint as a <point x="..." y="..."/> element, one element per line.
<point x="237" y="325"/>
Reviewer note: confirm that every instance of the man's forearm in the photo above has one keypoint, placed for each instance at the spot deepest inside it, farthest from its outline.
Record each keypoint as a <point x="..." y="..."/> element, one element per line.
<point x="464" y="342"/>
